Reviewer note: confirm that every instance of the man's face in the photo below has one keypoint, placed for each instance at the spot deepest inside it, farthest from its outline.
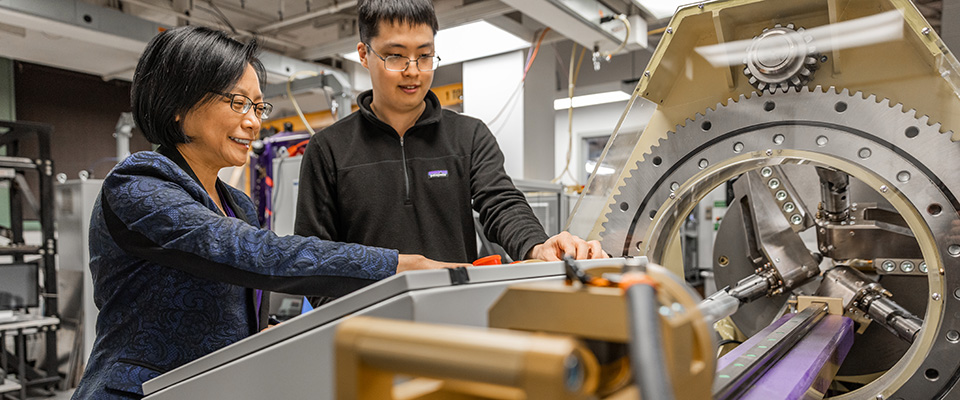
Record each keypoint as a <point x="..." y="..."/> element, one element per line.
<point x="398" y="91"/>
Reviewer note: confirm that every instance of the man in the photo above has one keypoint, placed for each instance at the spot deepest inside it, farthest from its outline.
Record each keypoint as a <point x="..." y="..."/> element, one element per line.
<point x="402" y="173"/>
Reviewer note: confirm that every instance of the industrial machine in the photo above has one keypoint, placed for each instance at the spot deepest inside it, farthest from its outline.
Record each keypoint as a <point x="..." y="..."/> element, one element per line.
<point x="829" y="128"/>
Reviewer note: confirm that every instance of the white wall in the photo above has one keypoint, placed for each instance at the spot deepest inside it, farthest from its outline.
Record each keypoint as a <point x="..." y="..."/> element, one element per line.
<point x="487" y="85"/>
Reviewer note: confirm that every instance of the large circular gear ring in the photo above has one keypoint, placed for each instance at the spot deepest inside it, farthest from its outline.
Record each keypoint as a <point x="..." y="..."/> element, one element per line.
<point x="902" y="155"/>
<point x="781" y="58"/>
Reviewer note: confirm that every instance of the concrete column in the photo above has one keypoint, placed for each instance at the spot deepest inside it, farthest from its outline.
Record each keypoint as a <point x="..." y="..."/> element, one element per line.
<point x="950" y="31"/>
<point x="7" y="113"/>
<point x="488" y="84"/>
<point x="7" y="109"/>
<point x="538" y="118"/>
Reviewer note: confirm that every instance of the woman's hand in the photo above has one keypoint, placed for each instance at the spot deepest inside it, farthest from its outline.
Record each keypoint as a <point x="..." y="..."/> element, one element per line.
<point x="410" y="262"/>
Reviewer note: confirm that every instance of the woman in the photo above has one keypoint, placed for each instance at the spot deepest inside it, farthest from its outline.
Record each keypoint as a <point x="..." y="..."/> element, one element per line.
<point x="173" y="250"/>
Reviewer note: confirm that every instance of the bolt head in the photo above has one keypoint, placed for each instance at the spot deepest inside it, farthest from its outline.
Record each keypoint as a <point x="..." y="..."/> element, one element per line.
<point x="925" y="31"/>
<point x="888" y="266"/>
<point x="935" y="296"/>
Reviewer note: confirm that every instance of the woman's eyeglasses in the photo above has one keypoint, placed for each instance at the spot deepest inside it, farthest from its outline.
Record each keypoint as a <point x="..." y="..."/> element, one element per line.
<point x="242" y="105"/>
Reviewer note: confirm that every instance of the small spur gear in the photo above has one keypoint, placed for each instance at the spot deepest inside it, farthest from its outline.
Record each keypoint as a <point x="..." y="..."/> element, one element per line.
<point x="781" y="58"/>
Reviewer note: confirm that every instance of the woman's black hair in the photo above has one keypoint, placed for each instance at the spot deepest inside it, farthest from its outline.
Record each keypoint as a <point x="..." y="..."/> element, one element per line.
<point x="414" y="12"/>
<point x="179" y="70"/>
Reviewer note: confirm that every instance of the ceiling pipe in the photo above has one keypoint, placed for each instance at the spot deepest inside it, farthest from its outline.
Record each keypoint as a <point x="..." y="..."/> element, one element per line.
<point x="285" y="43"/>
<point x="305" y="17"/>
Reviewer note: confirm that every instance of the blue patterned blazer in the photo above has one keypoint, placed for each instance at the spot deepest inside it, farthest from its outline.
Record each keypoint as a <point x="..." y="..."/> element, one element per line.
<point x="172" y="275"/>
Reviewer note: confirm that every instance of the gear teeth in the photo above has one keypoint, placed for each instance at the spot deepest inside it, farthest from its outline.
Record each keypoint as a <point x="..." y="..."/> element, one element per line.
<point x="771" y="82"/>
<point x="614" y="223"/>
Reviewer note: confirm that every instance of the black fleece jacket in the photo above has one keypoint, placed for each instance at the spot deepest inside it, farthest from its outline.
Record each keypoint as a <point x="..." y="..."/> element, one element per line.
<point x="360" y="182"/>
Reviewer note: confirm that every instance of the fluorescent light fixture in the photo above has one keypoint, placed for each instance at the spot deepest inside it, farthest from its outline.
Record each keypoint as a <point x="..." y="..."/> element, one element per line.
<point x="661" y="8"/>
<point x="591" y="100"/>
<point x="468" y="42"/>
<point x="604" y="169"/>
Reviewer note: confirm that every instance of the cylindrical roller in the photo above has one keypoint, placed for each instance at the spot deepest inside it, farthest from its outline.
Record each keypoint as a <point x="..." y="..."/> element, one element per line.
<point x="718" y="306"/>
<point x="751" y="288"/>
<point x="860" y="291"/>
<point x="833" y="192"/>
<point x="895" y="318"/>
<point x="559" y="366"/>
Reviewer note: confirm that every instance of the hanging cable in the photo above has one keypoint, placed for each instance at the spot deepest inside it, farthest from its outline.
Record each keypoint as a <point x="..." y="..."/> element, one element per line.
<point x="597" y="56"/>
<point x="572" y="83"/>
<point x="623" y="44"/>
<point x="293" y="99"/>
<point x="531" y="56"/>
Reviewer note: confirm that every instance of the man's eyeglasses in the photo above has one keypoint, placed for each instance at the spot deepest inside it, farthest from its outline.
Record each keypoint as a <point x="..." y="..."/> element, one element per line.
<point x="242" y="104"/>
<point x="400" y="63"/>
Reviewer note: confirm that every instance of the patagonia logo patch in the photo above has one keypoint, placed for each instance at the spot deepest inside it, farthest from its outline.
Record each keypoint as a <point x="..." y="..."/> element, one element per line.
<point x="440" y="173"/>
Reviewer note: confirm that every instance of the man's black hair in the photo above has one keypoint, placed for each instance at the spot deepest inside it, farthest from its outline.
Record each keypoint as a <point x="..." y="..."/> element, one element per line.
<point x="370" y="13"/>
<point x="179" y="70"/>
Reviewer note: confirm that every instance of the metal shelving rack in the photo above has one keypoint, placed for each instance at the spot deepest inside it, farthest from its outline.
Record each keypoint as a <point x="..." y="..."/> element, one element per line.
<point x="14" y="166"/>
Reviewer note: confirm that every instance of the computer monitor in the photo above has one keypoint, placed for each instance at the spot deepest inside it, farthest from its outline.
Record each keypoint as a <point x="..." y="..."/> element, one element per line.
<point x="19" y="286"/>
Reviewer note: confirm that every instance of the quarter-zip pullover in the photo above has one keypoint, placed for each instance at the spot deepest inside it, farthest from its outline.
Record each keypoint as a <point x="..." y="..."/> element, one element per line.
<point x="361" y="182"/>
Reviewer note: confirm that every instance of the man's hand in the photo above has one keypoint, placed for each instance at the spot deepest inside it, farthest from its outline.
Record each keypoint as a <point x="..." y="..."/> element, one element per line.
<point x="564" y="243"/>
<point x="410" y="262"/>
